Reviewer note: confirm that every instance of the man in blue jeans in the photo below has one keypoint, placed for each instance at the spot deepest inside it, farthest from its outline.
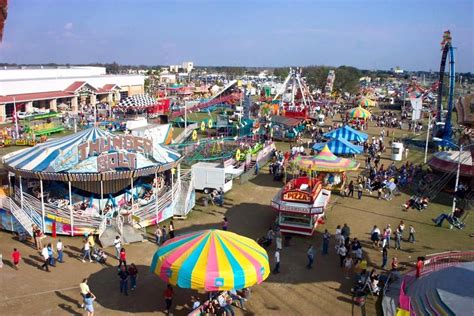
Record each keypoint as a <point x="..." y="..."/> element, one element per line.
<point x="123" y="275"/>
<point x="458" y="213"/>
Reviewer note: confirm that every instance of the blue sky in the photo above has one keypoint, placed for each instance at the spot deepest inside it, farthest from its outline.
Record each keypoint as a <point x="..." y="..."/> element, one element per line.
<point x="376" y="34"/>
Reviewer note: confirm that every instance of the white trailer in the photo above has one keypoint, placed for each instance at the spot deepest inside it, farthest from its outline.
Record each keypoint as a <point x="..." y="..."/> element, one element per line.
<point x="209" y="176"/>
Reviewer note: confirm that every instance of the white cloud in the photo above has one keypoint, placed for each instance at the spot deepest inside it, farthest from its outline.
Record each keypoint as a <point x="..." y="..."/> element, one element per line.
<point x="68" y="26"/>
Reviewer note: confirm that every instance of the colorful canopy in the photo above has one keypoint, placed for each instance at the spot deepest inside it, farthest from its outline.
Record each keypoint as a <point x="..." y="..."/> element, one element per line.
<point x="359" y="113"/>
<point x="63" y="154"/>
<point x="340" y="146"/>
<point x="348" y="133"/>
<point x="325" y="161"/>
<point x="211" y="260"/>
<point x="447" y="161"/>
<point x="366" y="102"/>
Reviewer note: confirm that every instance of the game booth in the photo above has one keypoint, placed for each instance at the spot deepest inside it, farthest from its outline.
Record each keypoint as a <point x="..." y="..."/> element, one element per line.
<point x="84" y="182"/>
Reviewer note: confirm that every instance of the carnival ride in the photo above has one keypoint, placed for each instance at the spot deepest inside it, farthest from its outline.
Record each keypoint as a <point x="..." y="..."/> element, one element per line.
<point x="81" y="182"/>
<point x="295" y="98"/>
<point x="443" y="125"/>
<point x="43" y="124"/>
<point x="330" y="83"/>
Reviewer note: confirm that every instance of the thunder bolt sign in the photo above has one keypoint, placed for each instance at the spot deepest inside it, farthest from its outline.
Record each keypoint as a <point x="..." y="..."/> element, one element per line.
<point x="115" y="151"/>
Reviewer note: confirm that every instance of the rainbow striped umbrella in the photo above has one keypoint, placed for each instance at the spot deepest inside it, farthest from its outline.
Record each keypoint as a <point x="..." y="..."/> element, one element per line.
<point x="211" y="260"/>
<point x="359" y="113"/>
<point x="325" y="161"/>
<point x="365" y="101"/>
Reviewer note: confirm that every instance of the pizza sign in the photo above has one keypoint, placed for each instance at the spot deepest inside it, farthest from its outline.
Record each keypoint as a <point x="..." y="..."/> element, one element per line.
<point x="296" y="196"/>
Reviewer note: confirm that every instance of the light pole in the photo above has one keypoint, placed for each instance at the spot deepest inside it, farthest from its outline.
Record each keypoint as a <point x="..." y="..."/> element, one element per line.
<point x="427" y="135"/>
<point x="17" y="133"/>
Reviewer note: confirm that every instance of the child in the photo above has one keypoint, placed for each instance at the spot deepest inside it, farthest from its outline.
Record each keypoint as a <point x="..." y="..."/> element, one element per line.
<point x="16" y="256"/>
<point x="411" y="236"/>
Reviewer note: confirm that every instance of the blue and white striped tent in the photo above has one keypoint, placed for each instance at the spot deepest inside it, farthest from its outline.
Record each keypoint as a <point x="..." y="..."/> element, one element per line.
<point x="61" y="155"/>
<point x="340" y="146"/>
<point x="348" y="133"/>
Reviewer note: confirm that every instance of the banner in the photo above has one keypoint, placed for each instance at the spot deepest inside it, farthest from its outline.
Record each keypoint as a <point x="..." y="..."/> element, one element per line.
<point x="416" y="104"/>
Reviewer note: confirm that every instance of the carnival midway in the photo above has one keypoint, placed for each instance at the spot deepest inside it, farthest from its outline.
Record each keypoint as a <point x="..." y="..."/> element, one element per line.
<point x="214" y="194"/>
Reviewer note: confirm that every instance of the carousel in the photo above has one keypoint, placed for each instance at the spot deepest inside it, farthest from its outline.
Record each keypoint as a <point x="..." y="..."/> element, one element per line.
<point x="79" y="183"/>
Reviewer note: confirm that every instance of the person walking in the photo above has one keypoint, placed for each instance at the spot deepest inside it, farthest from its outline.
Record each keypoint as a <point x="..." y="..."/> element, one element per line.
<point x="168" y="295"/>
<point x="384" y="257"/>
<point x="351" y="189"/>
<point x="346" y="232"/>
<point x="133" y="273"/>
<point x="375" y="236"/>
<point x="348" y="262"/>
<point x="360" y="189"/>
<point x="401" y="228"/>
<point x="123" y="275"/>
<point x="84" y="288"/>
<point x="276" y="270"/>
<point x="89" y="304"/>
<point x="87" y="251"/>
<point x="164" y="234"/>
<point x="171" y="230"/>
<point x="411" y="234"/>
<point x="326" y="237"/>
<point x="310" y="254"/>
<point x="158" y="235"/>
<point x="90" y="239"/>
<point x="51" y="255"/>
<point x="225" y="223"/>
<point x="342" y="252"/>
<point x="398" y="238"/>
<point x="123" y="258"/>
<point x="45" y="255"/>
<point x="388" y="235"/>
<point x="16" y="256"/>
<point x="118" y="246"/>
<point x="278" y="240"/>
<point x="59" y="249"/>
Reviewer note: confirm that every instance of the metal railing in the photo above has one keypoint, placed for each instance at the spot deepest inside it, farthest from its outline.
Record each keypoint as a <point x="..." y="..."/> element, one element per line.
<point x="20" y="215"/>
<point x="432" y="263"/>
<point x="102" y="227"/>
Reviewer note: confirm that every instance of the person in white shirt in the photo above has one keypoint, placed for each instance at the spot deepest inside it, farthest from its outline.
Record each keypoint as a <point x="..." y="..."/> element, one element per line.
<point x="87" y="251"/>
<point x="45" y="255"/>
<point x="196" y="302"/>
<point x="277" y="262"/>
<point x="59" y="248"/>
<point x="118" y="246"/>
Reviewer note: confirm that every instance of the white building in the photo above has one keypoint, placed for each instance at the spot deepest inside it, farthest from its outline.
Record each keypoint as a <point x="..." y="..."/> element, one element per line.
<point x="28" y="88"/>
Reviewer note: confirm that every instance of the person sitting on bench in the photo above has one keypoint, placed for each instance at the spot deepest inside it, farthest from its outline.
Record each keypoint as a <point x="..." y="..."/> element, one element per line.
<point x="455" y="217"/>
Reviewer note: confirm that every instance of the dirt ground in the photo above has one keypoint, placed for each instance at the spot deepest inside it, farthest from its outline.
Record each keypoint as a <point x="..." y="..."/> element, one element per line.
<point x="295" y="291"/>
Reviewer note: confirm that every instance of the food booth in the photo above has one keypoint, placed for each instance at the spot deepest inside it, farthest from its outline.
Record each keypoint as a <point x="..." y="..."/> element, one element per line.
<point x="301" y="205"/>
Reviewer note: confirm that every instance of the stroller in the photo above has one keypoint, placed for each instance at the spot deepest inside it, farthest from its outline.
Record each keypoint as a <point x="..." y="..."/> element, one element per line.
<point x="99" y="256"/>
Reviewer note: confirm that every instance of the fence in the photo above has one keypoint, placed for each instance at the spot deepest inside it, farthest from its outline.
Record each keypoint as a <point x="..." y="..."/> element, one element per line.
<point x="432" y="263"/>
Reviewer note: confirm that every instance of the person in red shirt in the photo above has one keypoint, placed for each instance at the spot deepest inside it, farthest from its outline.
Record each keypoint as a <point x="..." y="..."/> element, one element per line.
<point x="419" y="267"/>
<point x="123" y="258"/>
<point x="16" y="256"/>
<point x="168" y="294"/>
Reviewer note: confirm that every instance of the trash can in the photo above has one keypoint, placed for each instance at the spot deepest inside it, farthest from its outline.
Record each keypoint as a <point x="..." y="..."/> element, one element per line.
<point x="397" y="151"/>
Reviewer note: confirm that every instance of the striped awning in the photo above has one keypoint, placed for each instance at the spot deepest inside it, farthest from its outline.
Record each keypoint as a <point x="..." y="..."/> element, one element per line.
<point x="340" y="146"/>
<point x="348" y="133"/>
<point x="59" y="158"/>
